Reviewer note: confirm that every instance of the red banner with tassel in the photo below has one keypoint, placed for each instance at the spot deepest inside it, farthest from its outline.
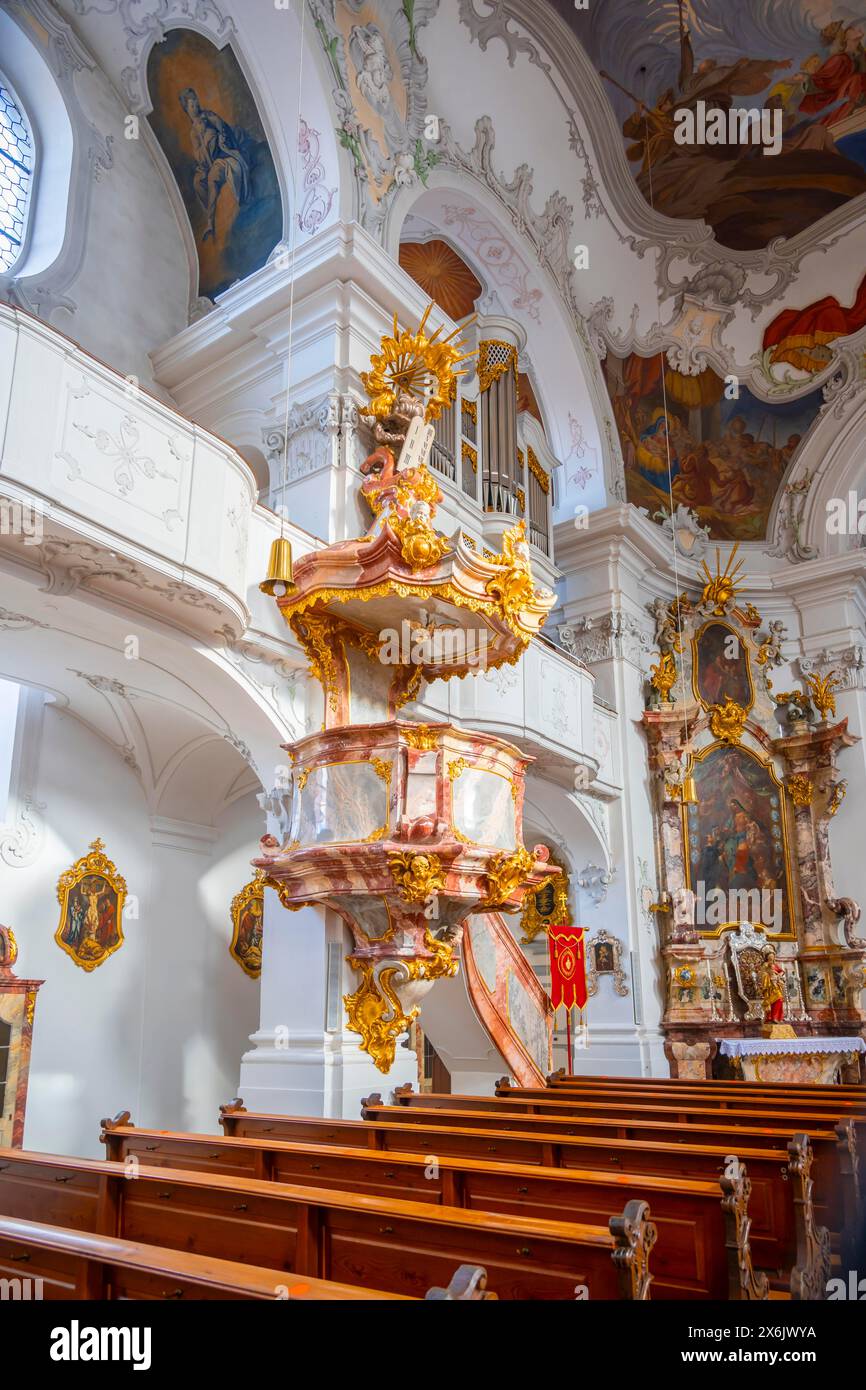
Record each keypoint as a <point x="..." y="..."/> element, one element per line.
<point x="567" y="967"/>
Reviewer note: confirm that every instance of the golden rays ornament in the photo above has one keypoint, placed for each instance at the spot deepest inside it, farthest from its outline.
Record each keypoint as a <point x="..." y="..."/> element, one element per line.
<point x="91" y="896"/>
<point x="415" y="365"/>
<point x="721" y="589"/>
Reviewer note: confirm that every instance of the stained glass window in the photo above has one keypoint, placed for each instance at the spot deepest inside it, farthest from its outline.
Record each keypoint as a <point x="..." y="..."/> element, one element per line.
<point x="16" y="176"/>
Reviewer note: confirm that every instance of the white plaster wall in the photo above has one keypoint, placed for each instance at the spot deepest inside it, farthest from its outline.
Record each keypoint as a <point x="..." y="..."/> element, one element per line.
<point x="132" y="292"/>
<point x="158" y="1028"/>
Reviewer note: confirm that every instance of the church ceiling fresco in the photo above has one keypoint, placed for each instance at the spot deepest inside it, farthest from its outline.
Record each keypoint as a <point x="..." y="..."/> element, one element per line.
<point x="685" y="442"/>
<point x="804" y="58"/>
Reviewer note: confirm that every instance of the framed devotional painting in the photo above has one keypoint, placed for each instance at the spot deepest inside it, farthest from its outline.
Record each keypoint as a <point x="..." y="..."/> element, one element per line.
<point x="720" y="667"/>
<point x="247" y="914"/>
<point x="91" y="896"/>
<point x="737" y="839"/>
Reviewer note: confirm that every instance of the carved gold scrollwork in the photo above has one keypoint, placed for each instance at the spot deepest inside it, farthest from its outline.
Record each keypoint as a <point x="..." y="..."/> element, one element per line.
<point x="513" y="587"/>
<point x="800" y="789"/>
<point x="420" y="545"/>
<point x="506" y="875"/>
<point x="822" y="689"/>
<point x="727" y="721"/>
<point x="423" y="738"/>
<point x="495" y="358"/>
<point x="537" y="471"/>
<point x="374" y="1011"/>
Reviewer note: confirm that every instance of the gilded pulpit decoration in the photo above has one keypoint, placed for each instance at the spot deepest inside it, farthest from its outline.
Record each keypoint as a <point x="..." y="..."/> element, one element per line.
<point x="408" y="363"/>
<point x="91" y="896"/>
<point x="247" y="914"/>
<point x="417" y="876"/>
<point x="507" y="875"/>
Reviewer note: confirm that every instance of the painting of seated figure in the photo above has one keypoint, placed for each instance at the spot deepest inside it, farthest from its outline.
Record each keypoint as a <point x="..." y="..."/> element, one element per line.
<point x="207" y="124"/>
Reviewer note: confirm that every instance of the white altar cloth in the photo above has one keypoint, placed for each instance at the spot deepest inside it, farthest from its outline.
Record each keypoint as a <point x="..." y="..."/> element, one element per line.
<point x="766" y="1047"/>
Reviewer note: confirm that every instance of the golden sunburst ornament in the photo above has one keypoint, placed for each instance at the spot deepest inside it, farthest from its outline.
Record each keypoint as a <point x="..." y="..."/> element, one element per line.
<point x="415" y="365"/>
<point x="721" y="588"/>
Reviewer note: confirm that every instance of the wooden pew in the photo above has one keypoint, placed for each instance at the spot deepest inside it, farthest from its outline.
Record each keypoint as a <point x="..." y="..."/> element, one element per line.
<point x="780" y="1225"/>
<point x="563" y="1078"/>
<point x="835" y="1173"/>
<point x="684" y="1113"/>
<point x="380" y="1242"/>
<point x="75" y="1265"/>
<point x="831" y="1107"/>
<point x="703" y="1248"/>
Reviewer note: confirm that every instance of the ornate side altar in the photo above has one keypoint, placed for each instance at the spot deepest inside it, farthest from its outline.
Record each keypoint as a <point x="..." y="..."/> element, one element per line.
<point x="404" y="829"/>
<point x="746" y="783"/>
<point x="17" y="1007"/>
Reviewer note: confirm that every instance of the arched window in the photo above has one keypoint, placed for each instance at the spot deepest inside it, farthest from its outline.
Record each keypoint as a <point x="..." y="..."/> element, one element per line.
<point x="16" y="176"/>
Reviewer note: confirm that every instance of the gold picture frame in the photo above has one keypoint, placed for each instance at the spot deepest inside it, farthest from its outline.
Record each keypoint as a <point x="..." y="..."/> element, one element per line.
<point x="247" y="914"/>
<point x="91" y="895"/>
<point x="696" y="640"/>
<point x="784" y="815"/>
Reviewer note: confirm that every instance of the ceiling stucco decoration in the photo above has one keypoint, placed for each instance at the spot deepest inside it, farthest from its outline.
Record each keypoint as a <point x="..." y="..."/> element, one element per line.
<point x="380" y="76"/>
<point x="146" y="22"/>
<point x="318" y="197"/>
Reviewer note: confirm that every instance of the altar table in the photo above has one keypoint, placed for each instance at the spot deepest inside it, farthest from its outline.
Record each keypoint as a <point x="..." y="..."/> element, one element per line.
<point x="804" y="1061"/>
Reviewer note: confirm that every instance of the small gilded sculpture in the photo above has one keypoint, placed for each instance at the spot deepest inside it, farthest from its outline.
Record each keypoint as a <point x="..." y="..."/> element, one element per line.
<point x="663" y="676"/>
<point x="822" y="688"/>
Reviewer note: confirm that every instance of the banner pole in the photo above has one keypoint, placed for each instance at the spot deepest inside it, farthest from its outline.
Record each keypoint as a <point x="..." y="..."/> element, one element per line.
<point x="568" y="1039"/>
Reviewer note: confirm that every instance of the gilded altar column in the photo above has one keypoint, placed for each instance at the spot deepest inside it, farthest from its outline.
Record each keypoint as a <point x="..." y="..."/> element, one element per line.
<point x="832" y="955"/>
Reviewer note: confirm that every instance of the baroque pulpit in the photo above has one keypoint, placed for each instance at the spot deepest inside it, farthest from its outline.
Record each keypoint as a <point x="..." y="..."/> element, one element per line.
<point x="405" y="829"/>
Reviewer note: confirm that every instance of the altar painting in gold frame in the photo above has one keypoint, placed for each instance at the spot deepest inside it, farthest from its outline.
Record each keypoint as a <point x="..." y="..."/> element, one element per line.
<point x="736" y="838"/>
<point x="721" y="669"/>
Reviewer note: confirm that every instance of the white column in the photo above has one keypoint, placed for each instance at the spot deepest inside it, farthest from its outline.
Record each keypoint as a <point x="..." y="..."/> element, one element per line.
<point x="304" y="1060"/>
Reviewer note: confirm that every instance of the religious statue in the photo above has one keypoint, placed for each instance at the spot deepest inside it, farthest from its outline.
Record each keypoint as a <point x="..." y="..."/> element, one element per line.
<point x="772" y="987"/>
